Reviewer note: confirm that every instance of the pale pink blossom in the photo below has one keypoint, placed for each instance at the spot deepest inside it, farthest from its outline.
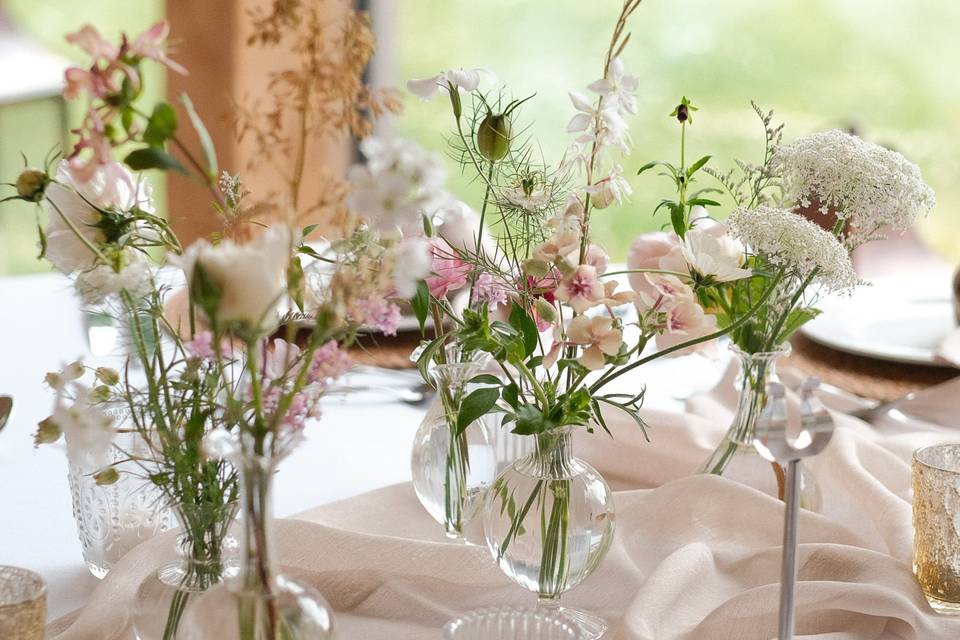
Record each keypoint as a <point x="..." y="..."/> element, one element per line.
<point x="94" y="44"/>
<point x="558" y="246"/>
<point x="598" y="336"/>
<point x="152" y="44"/>
<point x="379" y="313"/>
<point x="655" y="250"/>
<point x="713" y="253"/>
<point x="686" y="321"/>
<point x="594" y="256"/>
<point x="328" y="363"/>
<point x="448" y="272"/>
<point x="488" y="289"/>
<point x="581" y="289"/>
<point x="280" y="359"/>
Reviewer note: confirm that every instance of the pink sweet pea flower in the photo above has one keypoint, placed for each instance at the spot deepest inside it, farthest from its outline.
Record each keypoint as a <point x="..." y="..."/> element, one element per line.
<point x="581" y="289"/>
<point x="449" y="271"/>
<point x="687" y="321"/>
<point x="152" y="44"/>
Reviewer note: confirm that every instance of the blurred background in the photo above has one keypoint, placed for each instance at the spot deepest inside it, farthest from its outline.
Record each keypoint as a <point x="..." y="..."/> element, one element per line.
<point x="880" y="67"/>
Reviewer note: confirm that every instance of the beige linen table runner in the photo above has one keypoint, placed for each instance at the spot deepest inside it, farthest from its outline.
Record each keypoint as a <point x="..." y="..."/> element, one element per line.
<point x="695" y="557"/>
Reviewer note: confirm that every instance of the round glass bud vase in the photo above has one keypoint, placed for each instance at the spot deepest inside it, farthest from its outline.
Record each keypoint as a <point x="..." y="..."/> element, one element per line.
<point x="452" y="467"/>
<point x="207" y="556"/>
<point x="736" y="458"/>
<point x="260" y="603"/>
<point x="549" y="521"/>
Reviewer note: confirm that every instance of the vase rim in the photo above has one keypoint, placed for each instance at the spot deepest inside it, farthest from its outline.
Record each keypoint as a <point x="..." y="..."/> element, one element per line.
<point x="781" y="351"/>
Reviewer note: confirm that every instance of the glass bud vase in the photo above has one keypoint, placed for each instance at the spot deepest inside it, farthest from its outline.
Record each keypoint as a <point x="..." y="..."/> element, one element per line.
<point x="452" y="469"/>
<point x="260" y="603"/>
<point x="112" y="519"/>
<point x="207" y="556"/>
<point x="549" y="521"/>
<point x="736" y="458"/>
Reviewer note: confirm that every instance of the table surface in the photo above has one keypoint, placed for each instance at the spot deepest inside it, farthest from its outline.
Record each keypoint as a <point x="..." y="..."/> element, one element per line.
<point x="361" y="442"/>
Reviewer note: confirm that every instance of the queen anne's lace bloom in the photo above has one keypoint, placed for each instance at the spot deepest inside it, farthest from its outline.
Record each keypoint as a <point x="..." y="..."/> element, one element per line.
<point x="860" y="182"/>
<point x="786" y="239"/>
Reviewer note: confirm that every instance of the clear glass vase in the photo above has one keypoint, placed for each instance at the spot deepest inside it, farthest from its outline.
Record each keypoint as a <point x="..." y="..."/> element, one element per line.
<point x="260" y="603"/>
<point x="736" y="458"/>
<point x="113" y="519"/>
<point x="207" y="556"/>
<point x="452" y="469"/>
<point x="549" y="521"/>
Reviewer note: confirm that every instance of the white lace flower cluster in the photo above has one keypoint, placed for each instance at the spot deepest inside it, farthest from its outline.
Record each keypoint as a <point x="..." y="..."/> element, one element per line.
<point x="602" y="128"/>
<point x="399" y="182"/>
<point x="786" y="239"/>
<point x="860" y="182"/>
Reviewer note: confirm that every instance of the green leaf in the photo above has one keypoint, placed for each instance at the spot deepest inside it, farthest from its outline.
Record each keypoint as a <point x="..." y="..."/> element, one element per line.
<point x="697" y="165"/>
<point x="530" y="421"/>
<point x="162" y="125"/>
<point x="295" y="282"/>
<point x="522" y="322"/>
<point x="796" y="319"/>
<point x="511" y="395"/>
<point x="678" y="218"/>
<point x="426" y="356"/>
<point x="420" y="303"/>
<point x="703" y="202"/>
<point x="485" y="378"/>
<point x="307" y="250"/>
<point x="427" y="226"/>
<point x="206" y="142"/>
<point x="153" y="158"/>
<point x="307" y="230"/>
<point x="475" y="406"/>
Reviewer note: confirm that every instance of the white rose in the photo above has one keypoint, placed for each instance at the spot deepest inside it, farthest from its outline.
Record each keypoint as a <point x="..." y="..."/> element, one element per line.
<point x="250" y="278"/>
<point x="712" y="252"/>
<point x="111" y="187"/>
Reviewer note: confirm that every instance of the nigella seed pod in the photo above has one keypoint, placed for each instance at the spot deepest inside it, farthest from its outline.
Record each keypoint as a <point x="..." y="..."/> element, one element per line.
<point x="493" y="137"/>
<point x="31" y="184"/>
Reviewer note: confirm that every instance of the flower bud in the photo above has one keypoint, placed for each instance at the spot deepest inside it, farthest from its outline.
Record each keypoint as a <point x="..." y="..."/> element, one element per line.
<point x="546" y="311"/>
<point x="536" y="268"/>
<point x="603" y="195"/>
<point x="493" y="137"/>
<point x="31" y="184"/>
<point x="47" y="432"/>
<point x="107" y="376"/>
<point x="106" y="477"/>
<point x="683" y="114"/>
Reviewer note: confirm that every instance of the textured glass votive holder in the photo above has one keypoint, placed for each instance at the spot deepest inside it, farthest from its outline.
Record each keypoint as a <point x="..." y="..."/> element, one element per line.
<point x="936" y="525"/>
<point x="23" y="604"/>
<point x="511" y="623"/>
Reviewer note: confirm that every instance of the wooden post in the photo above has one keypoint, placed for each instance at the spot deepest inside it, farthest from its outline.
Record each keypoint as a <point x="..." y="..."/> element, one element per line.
<point x="210" y="40"/>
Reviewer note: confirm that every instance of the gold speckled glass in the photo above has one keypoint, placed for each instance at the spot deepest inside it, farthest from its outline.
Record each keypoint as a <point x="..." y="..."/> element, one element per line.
<point x="936" y="525"/>
<point x="23" y="604"/>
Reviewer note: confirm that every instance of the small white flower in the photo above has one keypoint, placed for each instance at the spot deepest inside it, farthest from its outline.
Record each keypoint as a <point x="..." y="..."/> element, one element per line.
<point x="535" y="200"/>
<point x="465" y="79"/>
<point x="617" y="88"/>
<point x="102" y="281"/>
<point x="413" y="259"/>
<point x="612" y="189"/>
<point x="713" y="253"/>
<point x="221" y="444"/>
<point x="87" y="429"/>
<point x="786" y="239"/>
<point x="860" y="182"/>
<point x="398" y="184"/>
<point x="459" y="225"/>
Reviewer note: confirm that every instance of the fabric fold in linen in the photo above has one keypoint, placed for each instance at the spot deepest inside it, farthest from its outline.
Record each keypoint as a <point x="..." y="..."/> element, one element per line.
<point x="695" y="557"/>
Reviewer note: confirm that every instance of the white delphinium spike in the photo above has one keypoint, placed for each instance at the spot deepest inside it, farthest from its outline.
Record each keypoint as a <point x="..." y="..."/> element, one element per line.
<point x="465" y="79"/>
<point x="860" y="182"/>
<point x="786" y="239"/>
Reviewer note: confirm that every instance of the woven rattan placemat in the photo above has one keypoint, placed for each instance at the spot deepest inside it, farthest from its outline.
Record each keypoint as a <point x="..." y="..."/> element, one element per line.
<point x="862" y="376"/>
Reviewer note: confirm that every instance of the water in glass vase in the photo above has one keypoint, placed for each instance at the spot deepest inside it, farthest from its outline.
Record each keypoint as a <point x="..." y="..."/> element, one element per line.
<point x="736" y="458"/>
<point x="452" y="468"/>
<point x="549" y="521"/>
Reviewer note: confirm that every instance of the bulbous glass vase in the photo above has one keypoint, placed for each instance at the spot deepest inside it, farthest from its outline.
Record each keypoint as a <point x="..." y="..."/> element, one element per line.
<point x="452" y="468"/>
<point x="208" y="556"/>
<point x="260" y="603"/>
<point x="736" y="458"/>
<point x="548" y="522"/>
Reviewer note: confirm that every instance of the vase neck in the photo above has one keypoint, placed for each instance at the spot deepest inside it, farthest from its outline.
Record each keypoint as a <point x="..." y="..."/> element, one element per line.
<point x="256" y="483"/>
<point x="204" y="530"/>
<point x="553" y="453"/>
<point x="757" y="370"/>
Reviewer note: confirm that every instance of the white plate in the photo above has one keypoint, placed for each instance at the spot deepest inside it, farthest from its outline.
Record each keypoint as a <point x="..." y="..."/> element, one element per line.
<point x="897" y="321"/>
